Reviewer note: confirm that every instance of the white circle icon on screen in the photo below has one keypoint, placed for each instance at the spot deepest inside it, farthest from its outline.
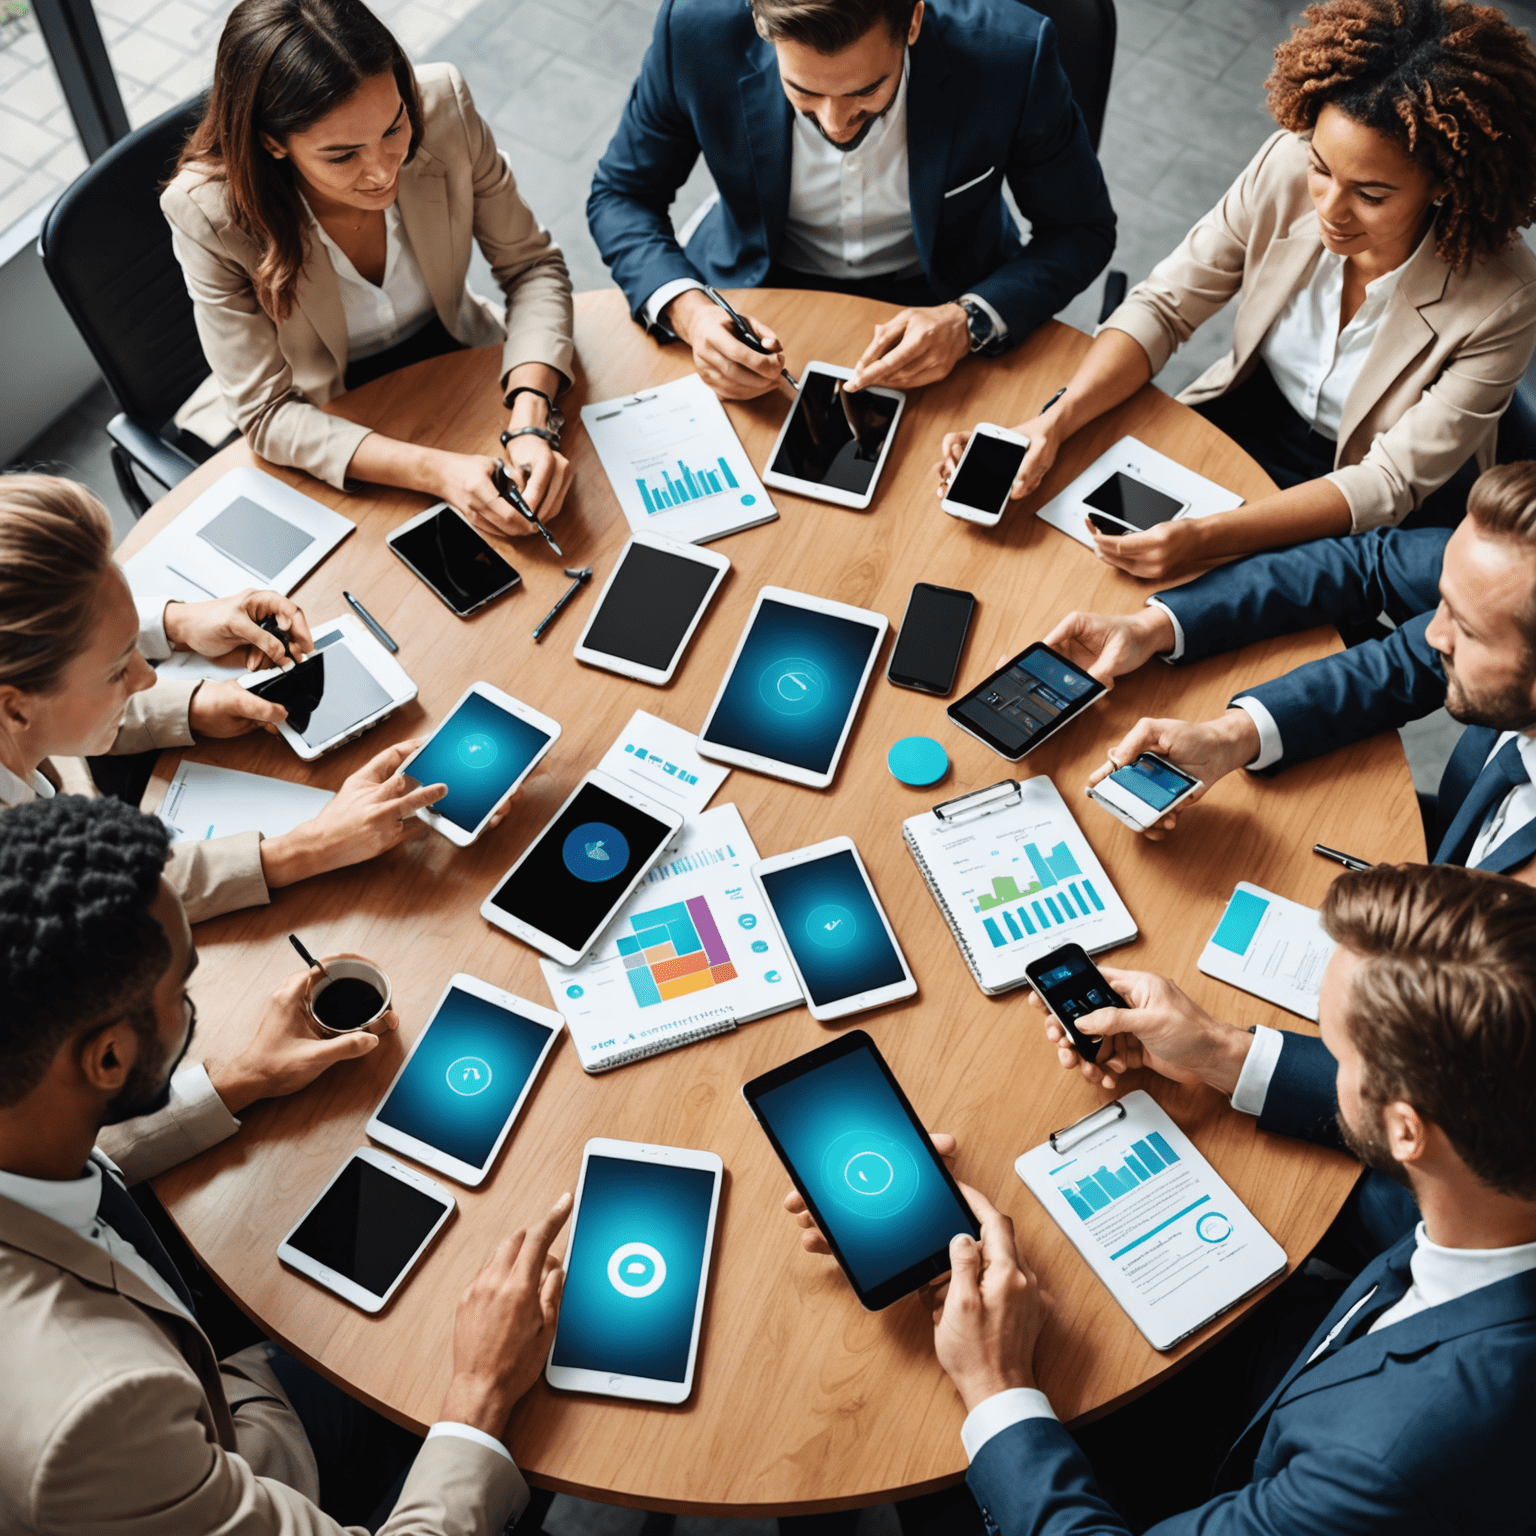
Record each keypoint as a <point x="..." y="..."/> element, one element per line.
<point x="868" y="1173"/>
<point x="636" y="1270"/>
<point x="469" y="1075"/>
<point x="792" y="685"/>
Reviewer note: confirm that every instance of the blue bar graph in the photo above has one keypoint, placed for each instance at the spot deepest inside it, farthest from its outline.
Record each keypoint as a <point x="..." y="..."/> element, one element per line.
<point x="994" y="933"/>
<point x="1093" y="896"/>
<point x="1070" y="897"/>
<point x="690" y="485"/>
<point x="1146" y="1159"/>
<point x="1045" y="922"/>
<point x="1013" y="927"/>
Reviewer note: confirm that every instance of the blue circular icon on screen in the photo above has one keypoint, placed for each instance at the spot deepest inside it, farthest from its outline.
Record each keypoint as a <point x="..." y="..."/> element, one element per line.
<point x="869" y="1174"/>
<point x="792" y="685"/>
<point x="595" y="852"/>
<point x="1213" y="1227"/>
<point x="771" y="976"/>
<point x="477" y="751"/>
<point x="749" y="500"/>
<point x="636" y="1269"/>
<point x="831" y="926"/>
<point x="574" y="991"/>
<point x="747" y="920"/>
<point x="759" y="946"/>
<point x="469" y="1075"/>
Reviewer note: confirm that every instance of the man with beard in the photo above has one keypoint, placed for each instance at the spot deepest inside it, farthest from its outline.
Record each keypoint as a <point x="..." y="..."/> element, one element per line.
<point x="861" y="147"/>
<point x="1464" y="604"/>
<point x="117" y="1414"/>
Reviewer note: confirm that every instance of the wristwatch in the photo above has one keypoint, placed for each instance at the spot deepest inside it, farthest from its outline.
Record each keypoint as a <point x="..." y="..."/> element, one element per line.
<point x="978" y="322"/>
<point x="554" y="424"/>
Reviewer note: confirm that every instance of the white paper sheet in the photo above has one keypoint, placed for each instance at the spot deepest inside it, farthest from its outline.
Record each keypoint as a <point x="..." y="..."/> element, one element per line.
<point x="662" y="760"/>
<point x="204" y="801"/>
<point x="1271" y="947"/>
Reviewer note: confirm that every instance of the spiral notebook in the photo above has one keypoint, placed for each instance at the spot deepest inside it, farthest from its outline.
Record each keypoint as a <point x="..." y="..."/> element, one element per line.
<point x="1015" y="878"/>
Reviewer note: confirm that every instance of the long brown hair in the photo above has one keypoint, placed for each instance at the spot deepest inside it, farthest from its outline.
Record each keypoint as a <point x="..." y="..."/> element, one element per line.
<point x="281" y="66"/>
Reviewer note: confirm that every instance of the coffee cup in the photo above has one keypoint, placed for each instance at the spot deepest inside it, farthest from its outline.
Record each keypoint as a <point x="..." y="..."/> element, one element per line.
<point x="353" y="994"/>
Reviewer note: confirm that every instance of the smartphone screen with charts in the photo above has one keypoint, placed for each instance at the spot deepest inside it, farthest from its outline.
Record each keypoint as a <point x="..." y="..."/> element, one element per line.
<point x="933" y="630"/>
<point x="452" y="558"/>
<point x="1071" y="986"/>
<point x="1132" y="503"/>
<point x="835" y="437"/>
<point x="327" y="693"/>
<point x="454" y="1101"/>
<point x="864" y="1165"/>
<point x="635" y="1271"/>
<point x="985" y="475"/>
<point x="1154" y="781"/>
<point x="1017" y="707"/>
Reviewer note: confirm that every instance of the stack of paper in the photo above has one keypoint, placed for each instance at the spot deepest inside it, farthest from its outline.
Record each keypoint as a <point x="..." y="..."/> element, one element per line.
<point x="1271" y="947"/>
<point x="204" y="801"/>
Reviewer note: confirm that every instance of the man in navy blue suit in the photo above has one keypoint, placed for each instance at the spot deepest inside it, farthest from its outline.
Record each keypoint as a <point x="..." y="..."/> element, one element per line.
<point x="1409" y="1408"/>
<point x="859" y="146"/>
<point x="1464" y="603"/>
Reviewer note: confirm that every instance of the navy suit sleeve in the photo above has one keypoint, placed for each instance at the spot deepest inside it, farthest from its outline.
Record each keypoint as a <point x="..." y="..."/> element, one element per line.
<point x="1059" y="187"/>
<point x="649" y="158"/>
<point x="1302" y="1100"/>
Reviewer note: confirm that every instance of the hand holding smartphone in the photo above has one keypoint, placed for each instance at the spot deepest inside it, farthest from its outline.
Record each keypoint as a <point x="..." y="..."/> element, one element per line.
<point x="1144" y="791"/>
<point x="1071" y="986"/>
<point x="978" y="492"/>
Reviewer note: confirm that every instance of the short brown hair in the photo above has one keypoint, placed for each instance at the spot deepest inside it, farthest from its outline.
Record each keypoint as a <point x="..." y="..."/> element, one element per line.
<point x="1502" y="504"/>
<point x="1443" y="1010"/>
<point x="829" y="26"/>
<point x="55" y="550"/>
<point x="1453" y="84"/>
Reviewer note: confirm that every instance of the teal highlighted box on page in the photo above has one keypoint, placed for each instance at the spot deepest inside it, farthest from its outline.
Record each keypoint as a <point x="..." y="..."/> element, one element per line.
<point x="1240" y="922"/>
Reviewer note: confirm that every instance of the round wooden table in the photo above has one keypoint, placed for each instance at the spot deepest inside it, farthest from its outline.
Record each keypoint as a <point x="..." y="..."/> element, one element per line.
<point x="802" y="1401"/>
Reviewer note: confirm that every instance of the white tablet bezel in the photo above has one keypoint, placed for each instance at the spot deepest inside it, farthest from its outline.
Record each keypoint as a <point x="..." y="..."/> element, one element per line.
<point x="348" y="1289"/>
<point x="625" y="668"/>
<point x="772" y="766"/>
<point x="560" y="953"/>
<point x="456" y="834"/>
<point x="423" y="1151"/>
<point x="645" y="1389"/>
<point x="810" y="488"/>
<point x="377" y="662"/>
<point x="431" y="512"/>
<point x="857" y="1002"/>
<point x="963" y="510"/>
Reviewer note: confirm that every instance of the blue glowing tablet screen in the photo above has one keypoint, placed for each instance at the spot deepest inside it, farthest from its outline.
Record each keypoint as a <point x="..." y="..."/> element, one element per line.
<point x="479" y="751"/>
<point x="634" y="1269"/>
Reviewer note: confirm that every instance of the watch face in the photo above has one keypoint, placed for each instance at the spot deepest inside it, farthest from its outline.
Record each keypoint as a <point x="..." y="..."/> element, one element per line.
<point x="978" y="322"/>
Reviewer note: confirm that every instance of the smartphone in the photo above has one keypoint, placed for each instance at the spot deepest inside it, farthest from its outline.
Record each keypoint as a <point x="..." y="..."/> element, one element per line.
<point x="458" y="1094"/>
<point x="483" y="751"/>
<point x="571" y="880"/>
<point x="1026" y="701"/>
<point x="1070" y="985"/>
<point x="984" y="476"/>
<point x="926" y="655"/>
<point x="841" y="945"/>
<point x="636" y="1269"/>
<point x="1143" y="792"/>
<point x="451" y="557"/>
<point x="863" y="1162"/>
<point x="368" y="1229"/>
<point x="1123" y="504"/>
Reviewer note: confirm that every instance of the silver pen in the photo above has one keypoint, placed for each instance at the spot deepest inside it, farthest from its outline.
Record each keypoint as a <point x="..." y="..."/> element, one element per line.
<point x="379" y="632"/>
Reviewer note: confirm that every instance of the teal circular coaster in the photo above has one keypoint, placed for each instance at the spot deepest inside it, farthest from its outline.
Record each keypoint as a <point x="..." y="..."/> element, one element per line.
<point x="918" y="760"/>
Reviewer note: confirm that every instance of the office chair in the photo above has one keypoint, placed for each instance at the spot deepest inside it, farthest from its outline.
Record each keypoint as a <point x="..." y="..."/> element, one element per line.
<point x="1085" y="39"/>
<point x="107" y="249"/>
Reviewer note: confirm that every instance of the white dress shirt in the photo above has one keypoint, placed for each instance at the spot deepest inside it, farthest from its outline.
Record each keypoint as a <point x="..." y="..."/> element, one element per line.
<point x="18" y="791"/>
<point x="380" y="314"/>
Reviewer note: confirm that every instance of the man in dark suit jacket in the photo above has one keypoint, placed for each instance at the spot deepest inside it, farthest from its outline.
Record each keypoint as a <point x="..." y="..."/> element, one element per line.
<point x="859" y="146"/>
<point x="1464" y="603"/>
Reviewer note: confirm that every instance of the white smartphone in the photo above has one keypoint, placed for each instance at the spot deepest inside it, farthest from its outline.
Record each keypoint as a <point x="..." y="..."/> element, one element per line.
<point x="454" y="1100"/>
<point x="979" y="489"/>
<point x="348" y="683"/>
<point x="571" y="880"/>
<point x="650" y="606"/>
<point x="452" y="558"/>
<point x="841" y="944"/>
<point x="635" y="1271"/>
<point x="834" y="443"/>
<point x="483" y="751"/>
<point x="368" y="1229"/>
<point x="1144" y="791"/>
<point x="788" y="698"/>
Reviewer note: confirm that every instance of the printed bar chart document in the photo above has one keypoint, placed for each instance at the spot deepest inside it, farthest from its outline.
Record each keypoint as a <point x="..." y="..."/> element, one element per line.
<point x="692" y="955"/>
<point x="204" y="801"/>
<point x="1271" y="947"/>
<point x="1151" y="1218"/>
<point x="675" y="463"/>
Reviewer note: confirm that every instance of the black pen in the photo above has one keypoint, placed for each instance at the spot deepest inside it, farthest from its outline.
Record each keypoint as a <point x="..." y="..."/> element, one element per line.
<point x="1348" y="860"/>
<point x="506" y="488"/>
<point x="745" y="334"/>
<point x="579" y="579"/>
<point x="1052" y="401"/>
<point x="379" y="632"/>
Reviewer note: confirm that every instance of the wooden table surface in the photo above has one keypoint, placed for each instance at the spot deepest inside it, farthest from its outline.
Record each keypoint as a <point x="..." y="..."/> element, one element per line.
<point x="802" y="1401"/>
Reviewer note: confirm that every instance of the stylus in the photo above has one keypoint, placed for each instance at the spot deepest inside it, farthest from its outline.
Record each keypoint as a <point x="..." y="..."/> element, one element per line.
<point x="379" y="632"/>
<point x="506" y="488"/>
<point x="580" y="578"/>
<point x="1348" y="860"/>
<point x="746" y="335"/>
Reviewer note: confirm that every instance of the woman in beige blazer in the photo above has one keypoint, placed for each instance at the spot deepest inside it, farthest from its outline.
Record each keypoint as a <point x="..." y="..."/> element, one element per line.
<point x="324" y="214"/>
<point x="1386" y="304"/>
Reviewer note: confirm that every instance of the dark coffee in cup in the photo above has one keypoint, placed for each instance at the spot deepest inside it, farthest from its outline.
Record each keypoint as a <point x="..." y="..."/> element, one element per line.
<point x="347" y="1003"/>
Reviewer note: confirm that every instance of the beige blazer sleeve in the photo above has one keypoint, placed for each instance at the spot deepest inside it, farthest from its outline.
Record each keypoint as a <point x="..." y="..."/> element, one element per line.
<point x="158" y="717"/>
<point x="194" y="1120"/>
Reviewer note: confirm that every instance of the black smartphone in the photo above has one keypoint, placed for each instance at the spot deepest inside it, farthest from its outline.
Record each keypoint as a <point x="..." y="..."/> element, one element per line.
<point x="1125" y="505"/>
<point x="933" y="630"/>
<point x="1022" y="703"/>
<point x="452" y="558"/>
<point x="1072" y="986"/>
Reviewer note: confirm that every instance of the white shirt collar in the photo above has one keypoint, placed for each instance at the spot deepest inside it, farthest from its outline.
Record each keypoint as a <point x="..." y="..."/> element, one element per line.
<point x="1445" y="1274"/>
<point x="70" y="1202"/>
<point x="18" y="791"/>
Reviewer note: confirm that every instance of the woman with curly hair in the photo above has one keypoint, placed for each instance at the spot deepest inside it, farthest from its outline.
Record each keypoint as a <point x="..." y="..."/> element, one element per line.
<point x="1386" y="304"/>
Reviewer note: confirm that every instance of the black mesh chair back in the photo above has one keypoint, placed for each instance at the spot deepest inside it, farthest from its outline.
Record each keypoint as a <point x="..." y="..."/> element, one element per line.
<point x="1085" y="39"/>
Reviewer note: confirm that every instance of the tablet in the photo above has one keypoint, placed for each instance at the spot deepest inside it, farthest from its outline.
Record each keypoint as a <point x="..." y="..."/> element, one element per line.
<point x="348" y="683"/>
<point x="788" y="698"/>
<point x="864" y="1165"/>
<point x="1025" y="701"/>
<point x="833" y="444"/>
<point x="650" y="606"/>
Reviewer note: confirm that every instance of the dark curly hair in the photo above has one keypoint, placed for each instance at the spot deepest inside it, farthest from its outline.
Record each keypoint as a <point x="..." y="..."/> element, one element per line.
<point x="1453" y="84"/>
<point x="78" y="944"/>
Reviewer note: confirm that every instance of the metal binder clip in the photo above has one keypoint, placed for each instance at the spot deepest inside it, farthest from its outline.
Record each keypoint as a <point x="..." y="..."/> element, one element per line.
<point x="1080" y="1130"/>
<point x="980" y="802"/>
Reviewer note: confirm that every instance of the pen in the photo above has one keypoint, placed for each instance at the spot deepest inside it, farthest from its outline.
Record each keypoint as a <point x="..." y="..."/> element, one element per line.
<point x="1348" y="860"/>
<point x="1052" y="401"/>
<point x="506" y="488"/>
<point x="379" y="632"/>
<point x="580" y="578"/>
<point x="745" y="334"/>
